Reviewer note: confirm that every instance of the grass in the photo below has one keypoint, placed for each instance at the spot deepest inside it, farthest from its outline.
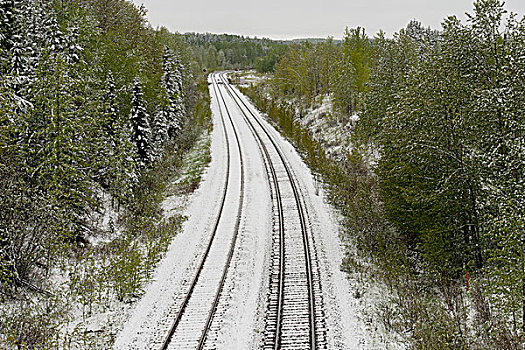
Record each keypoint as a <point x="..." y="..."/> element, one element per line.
<point x="194" y="166"/>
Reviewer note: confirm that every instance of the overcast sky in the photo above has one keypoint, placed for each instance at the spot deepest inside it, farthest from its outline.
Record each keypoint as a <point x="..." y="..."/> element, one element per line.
<point x="288" y="19"/>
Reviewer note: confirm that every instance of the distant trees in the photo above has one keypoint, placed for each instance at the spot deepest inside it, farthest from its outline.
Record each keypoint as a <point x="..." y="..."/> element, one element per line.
<point x="306" y="71"/>
<point x="235" y="52"/>
<point x="341" y="71"/>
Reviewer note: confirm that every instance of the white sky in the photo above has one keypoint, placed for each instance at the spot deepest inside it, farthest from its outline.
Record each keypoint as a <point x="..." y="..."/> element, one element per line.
<point x="280" y="19"/>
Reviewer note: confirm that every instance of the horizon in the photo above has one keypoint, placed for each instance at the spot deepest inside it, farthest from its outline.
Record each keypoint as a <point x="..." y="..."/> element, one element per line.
<point x="299" y="20"/>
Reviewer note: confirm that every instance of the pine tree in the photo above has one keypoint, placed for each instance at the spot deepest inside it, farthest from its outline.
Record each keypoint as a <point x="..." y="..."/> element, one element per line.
<point x="160" y="131"/>
<point x="26" y="41"/>
<point x="111" y="114"/>
<point x="116" y="147"/>
<point x="177" y="97"/>
<point x="169" y="120"/>
<point x="16" y="62"/>
<point x="140" y="128"/>
<point x="165" y="117"/>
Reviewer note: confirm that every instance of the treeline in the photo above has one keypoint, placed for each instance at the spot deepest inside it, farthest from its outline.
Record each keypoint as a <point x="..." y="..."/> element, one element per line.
<point x="340" y="69"/>
<point x="226" y="51"/>
<point x="94" y="104"/>
<point x="442" y="116"/>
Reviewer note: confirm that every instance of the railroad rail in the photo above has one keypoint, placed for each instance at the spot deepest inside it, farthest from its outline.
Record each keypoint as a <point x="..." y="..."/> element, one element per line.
<point x="190" y="326"/>
<point x="294" y="315"/>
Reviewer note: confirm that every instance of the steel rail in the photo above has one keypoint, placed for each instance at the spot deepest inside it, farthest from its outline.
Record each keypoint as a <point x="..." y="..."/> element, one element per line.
<point x="313" y="342"/>
<point x="236" y="231"/>
<point x="166" y="341"/>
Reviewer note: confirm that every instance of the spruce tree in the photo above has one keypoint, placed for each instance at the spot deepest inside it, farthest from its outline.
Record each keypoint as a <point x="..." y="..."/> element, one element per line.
<point x="166" y="115"/>
<point x="116" y="147"/>
<point x="7" y="23"/>
<point x="140" y="128"/>
<point x="176" y="98"/>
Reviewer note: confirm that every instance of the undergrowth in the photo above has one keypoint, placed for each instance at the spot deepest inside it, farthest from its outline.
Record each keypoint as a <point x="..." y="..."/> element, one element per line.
<point x="420" y="309"/>
<point x="98" y="279"/>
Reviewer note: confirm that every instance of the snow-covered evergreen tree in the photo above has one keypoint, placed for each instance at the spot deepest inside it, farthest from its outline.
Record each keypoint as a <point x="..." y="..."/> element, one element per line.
<point x="117" y="150"/>
<point x="176" y="98"/>
<point x="167" y="112"/>
<point x="160" y="131"/>
<point x="7" y="8"/>
<point x="179" y="92"/>
<point x="25" y="43"/>
<point x="179" y="75"/>
<point x="169" y="120"/>
<point x="12" y="33"/>
<point x="111" y="112"/>
<point x="140" y="128"/>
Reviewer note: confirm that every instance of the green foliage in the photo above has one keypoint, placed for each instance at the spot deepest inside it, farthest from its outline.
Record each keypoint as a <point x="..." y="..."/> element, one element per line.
<point x="32" y="323"/>
<point x="444" y="112"/>
<point x="306" y="71"/>
<point x="450" y="141"/>
<point x="227" y="51"/>
<point x="505" y="270"/>
<point x="126" y="272"/>
<point x="392" y="62"/>
<point x="66" y="147"/>
<point x="352" y="72"/>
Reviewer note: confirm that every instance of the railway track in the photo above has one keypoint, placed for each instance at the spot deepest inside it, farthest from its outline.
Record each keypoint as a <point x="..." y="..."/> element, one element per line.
<point x="294" y="314"/>
<point x="190" y="322"/>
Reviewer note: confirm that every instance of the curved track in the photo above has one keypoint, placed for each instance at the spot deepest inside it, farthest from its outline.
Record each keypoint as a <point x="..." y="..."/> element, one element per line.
<point x="193" y="319"/>
<point x="294" y="315"/>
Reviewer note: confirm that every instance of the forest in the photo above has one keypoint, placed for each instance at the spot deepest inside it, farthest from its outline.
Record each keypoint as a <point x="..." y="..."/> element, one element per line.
<point x="432" y="187"/>
<point x="227" y="51"/>
<point x="98" y="112"/>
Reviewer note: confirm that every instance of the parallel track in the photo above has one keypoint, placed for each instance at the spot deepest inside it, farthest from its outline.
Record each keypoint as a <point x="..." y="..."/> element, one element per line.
<point x="194" y="337"/>
<point x="295" y="294"/>
<point x="294" y="316"/>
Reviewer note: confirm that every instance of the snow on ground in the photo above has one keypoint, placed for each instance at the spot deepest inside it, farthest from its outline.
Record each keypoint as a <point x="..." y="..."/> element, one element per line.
<point x="335" y="133"/>
<point x="247" y="78"/>
<point x="241" y="310"/>
<point x="175" y="269"/>
<point x="106" y="221"/>
<point x="331" y="132"/>
<point x="241" y="320"/>
<point x="350" y="320"/>
<point x="345" y="329"/>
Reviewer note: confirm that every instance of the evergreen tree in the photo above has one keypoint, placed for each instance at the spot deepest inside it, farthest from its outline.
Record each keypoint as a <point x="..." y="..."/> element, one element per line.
<point x="167" y="114"/>
<point x="160" y="131"/>
<point x="111" y="113"/>
<point x="117" y="151"/>
<point x="140" y="128"/>
<point x="176" y="96"/>
<point x="7" y="24"/>
<point x="16" y="62"/>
